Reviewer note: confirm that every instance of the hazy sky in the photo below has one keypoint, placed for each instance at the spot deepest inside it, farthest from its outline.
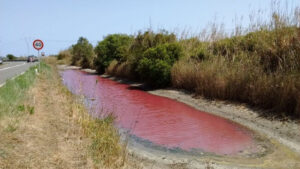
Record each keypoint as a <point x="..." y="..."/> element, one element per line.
<point x="59" y="23"/>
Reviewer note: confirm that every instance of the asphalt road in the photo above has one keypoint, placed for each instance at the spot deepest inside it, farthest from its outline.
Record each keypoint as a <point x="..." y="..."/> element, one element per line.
<point x="9" y="70"/>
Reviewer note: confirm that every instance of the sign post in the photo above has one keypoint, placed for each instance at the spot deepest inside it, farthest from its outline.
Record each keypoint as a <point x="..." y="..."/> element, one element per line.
<point x="38" y="45"/>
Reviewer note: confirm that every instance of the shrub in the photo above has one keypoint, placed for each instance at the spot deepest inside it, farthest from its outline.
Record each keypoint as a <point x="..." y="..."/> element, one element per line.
<point x="64" y="54"/>
<point x="156" y="64"/>
<point x="278" y="50"/>
<point x="145" y="41"/>
<point x="120" y="70"/>
<point x="82" y="53"/>
<point x="10" y="57"/>
<point x="114" y="46"/>
<point x="260" y="68"/>
<point x="149" y="39"/>
<point x="195" y="49"/>
<point x="65" y="57"/>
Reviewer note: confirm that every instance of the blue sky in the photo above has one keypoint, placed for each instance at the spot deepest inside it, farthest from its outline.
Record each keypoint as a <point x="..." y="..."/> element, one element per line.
<point x="59" y="23"/>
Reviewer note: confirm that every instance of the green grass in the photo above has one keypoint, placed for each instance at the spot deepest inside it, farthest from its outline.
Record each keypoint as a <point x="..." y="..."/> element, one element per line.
<point x="13" y="93"/>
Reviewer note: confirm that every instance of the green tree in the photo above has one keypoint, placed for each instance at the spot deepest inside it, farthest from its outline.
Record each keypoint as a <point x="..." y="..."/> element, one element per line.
<point x="114" y="46"/>
<point x="10" y="57"/>
<point x="83" y="53"/>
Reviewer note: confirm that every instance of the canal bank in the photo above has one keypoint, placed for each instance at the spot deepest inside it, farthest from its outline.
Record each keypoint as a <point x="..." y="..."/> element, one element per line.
<point x="271" y="159"/>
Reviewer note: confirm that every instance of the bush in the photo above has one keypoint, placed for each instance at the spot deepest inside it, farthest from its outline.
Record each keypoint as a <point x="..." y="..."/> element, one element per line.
<point x="65" y="57"/>
<point x="146" y="40"/>
<point x="114" y="46"/>
<point x="120" y="70"/>
<point x="278" y="50"/>
<point x="83" y="54"/>
<point x="156" y="63"/>
<point x="64" y="54"/>
<point x="260" y="68"/>
<point x="10" y="57"/>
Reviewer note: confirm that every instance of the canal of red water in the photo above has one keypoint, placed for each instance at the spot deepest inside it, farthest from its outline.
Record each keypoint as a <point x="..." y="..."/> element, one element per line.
<point x="160" y="120"/>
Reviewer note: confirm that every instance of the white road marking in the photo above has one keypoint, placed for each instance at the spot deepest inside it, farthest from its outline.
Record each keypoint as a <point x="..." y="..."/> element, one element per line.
<point x="12" y="67"/>
<point x="12" y="78"/>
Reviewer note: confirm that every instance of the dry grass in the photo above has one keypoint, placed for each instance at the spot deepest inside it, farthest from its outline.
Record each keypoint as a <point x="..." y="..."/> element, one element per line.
<point x="120" y="70"/>
<point x="56" y="131"/>
<point x="64" y="57"/>
<point x="47" y="137"/>
<point x="260" y="67"/>
<point x="240" y="82"/>
<point x="105" y="147"/>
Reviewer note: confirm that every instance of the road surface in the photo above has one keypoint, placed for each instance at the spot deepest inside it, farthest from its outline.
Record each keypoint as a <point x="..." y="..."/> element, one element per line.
<point x="9" y="70"/>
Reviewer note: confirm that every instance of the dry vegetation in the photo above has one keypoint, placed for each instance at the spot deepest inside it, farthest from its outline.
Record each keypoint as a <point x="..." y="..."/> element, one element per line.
<point x="258" y="65"/>
<point x="261" y="68"/>
<point x="64" y="57"/>
<point x="120" y="70"/>
<point x="52" y="129"/>
<point x="47" y="137"/>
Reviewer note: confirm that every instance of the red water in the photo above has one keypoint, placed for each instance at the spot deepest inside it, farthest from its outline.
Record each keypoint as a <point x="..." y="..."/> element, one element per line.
<point x="160" y="120"/>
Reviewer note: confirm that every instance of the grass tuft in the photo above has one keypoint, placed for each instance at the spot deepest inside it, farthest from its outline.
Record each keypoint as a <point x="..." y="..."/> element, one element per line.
<point x="105" y="147"/>
<point x="14" y="91"/>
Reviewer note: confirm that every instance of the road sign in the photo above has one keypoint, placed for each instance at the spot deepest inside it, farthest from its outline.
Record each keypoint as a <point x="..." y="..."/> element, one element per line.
<point x="38" y="44"/>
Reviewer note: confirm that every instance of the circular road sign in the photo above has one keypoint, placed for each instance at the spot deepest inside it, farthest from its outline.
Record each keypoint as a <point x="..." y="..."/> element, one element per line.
<point x="38" y="44"/>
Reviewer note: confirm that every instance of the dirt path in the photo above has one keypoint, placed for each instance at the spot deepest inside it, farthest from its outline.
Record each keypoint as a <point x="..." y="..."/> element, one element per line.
<point x="48" y="138"/>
